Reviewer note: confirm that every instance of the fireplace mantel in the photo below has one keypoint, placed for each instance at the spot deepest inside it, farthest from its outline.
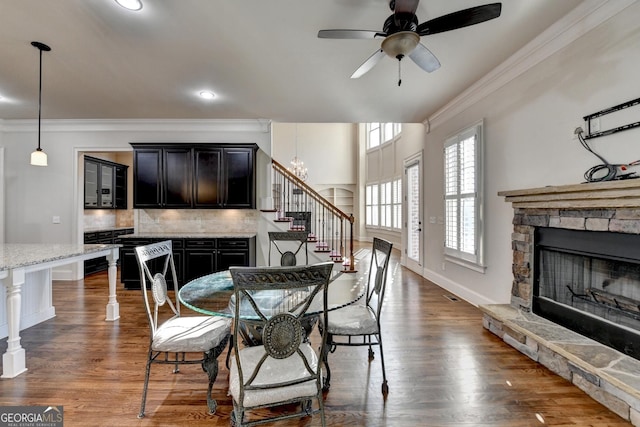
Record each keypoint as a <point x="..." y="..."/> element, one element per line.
<point x="611" y="194"/>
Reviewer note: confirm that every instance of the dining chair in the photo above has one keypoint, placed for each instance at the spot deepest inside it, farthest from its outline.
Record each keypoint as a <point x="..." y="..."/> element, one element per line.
<point x="359" y="324"/>
<point x="172" y="334"/>
<point x="284" y="368"/>
<point x="297" y="241"/>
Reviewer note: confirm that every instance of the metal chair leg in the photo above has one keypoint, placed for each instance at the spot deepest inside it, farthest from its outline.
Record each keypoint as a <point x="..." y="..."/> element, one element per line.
<point x="146" y="385"/>
<point x="385" y="386"/>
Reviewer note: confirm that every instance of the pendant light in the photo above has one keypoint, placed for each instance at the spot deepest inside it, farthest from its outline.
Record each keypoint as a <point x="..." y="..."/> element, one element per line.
<point x="39" y="157"/>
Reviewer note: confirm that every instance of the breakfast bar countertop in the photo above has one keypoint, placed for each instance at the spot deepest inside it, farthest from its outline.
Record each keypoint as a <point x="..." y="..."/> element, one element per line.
<point x="15" y="255"/>
<point x="191" y="235"/>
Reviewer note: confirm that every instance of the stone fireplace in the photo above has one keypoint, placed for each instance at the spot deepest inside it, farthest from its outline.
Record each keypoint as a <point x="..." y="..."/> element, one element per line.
<point x="575" y="298"/>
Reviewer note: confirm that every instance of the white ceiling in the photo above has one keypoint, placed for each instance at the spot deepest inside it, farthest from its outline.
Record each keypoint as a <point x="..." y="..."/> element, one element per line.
<point x="261" y="57"/>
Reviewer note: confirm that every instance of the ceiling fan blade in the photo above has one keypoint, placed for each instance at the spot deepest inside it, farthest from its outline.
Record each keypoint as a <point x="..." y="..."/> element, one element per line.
<point x="350" y="34"/>
<point x="368" y="64"/>
<point x="460" y="19"/>
<point x="404" y="6"/>
<point x="424" y="58"/>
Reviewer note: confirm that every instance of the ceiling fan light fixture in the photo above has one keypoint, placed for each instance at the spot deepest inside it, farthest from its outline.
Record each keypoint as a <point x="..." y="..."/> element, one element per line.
<point x="400" y="44"/>
<point x="130" y="4"/>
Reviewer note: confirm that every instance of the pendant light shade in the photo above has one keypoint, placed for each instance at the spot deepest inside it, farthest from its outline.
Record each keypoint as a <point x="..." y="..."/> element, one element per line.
<point x="39" y="157"/>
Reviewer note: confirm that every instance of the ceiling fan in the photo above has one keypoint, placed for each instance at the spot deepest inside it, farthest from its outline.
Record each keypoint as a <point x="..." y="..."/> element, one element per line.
<point x="401" y="33"/>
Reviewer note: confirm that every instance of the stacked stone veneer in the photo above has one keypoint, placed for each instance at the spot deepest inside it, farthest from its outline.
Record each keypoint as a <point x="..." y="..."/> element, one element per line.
<point x="526" y="220"/>
<point x="606" y="375"/>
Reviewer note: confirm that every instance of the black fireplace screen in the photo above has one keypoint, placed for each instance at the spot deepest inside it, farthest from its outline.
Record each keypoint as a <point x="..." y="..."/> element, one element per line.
<point x="605" y="288"/>
<point x="589" y="282"/>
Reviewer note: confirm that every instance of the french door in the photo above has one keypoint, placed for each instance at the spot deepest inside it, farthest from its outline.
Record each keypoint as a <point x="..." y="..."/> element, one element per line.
<point x="413" y="242"/>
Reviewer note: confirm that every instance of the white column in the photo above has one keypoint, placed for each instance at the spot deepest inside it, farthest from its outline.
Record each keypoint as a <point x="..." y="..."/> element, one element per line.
<point x="113" y="307"/>
<point x="14" y="359"/>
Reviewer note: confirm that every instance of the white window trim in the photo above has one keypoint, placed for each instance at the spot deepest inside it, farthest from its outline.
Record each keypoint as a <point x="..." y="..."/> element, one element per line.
<point x="475" y="262"/>
<point x="379" y="185"/>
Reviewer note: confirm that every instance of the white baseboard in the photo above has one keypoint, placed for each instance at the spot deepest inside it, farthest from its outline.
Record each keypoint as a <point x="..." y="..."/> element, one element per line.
<point x="457" y="289"/>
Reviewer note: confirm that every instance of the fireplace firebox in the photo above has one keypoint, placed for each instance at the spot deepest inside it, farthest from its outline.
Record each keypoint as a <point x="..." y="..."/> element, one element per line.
<point x="589" y="282"/>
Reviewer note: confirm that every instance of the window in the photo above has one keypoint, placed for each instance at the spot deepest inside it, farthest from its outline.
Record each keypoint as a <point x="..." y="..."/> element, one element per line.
<point x="396" y="204"/>
<point x="384" y="204"/>
<point x="379" y="133"/>
<point x="463" y="196"/>
<point x="371" y="205"/>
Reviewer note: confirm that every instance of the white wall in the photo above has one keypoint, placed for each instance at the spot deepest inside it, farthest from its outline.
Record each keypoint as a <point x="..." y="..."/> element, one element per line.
<point x="35" y="194"/>
<point x="328" y="150"/>
<point x="529" y="124"/>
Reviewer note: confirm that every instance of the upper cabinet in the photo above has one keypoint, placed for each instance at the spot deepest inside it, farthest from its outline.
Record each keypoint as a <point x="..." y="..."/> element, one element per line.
<point x="105" y="184"/>
<point x="208" y="176"/>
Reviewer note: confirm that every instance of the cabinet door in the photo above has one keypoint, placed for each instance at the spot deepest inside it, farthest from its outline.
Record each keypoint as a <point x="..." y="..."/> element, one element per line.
<point x="120" y="191"/>
<point x="177" y="177"/>
<point x="106" y="186"/>
<point x="199" y="262"/>
<point x="90" y="184"/>
<point x="146" y="176"/>
<point x="207" y="177"/>
<point x="239" y="178"/>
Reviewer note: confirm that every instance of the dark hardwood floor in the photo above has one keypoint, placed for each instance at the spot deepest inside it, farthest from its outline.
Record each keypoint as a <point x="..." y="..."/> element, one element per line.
<point x="443" y="367"/>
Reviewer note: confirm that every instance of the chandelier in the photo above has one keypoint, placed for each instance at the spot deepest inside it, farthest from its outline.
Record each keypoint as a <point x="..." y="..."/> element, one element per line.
<point x="297" y="166"/>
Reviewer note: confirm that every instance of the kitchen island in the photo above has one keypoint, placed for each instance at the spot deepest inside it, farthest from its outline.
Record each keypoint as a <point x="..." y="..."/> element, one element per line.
<point x="26" y="269"/>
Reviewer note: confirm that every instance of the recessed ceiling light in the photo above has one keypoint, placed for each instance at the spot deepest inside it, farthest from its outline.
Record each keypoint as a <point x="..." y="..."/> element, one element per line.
<point x="130" y="4"/>
<point x="207" y="94"/>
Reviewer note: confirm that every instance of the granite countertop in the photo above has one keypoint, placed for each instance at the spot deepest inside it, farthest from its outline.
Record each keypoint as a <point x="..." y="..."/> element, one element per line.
<point x="191" y="235"/>
<point x="15" y="255"/>
<point x="93" y="230"/>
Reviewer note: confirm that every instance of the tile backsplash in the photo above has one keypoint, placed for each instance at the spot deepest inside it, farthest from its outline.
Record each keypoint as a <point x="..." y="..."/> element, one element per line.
<point x="196" y="220"/>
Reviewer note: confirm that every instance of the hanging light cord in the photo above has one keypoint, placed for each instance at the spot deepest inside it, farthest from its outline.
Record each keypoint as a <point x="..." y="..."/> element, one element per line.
<point x="40" y="98"/>
<point x="612" y="170"/>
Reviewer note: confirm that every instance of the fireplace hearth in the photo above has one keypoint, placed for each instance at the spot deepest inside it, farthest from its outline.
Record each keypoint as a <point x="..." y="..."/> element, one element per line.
<point x="589" y="282"/>
<point x="575" y="290"/>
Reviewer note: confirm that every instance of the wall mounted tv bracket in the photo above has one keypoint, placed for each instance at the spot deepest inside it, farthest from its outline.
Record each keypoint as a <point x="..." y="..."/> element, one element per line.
<point x="590" y="117"/>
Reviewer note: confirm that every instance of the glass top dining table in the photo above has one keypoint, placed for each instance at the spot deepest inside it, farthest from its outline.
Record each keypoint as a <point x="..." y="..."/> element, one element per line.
<point x="213" y="294"/>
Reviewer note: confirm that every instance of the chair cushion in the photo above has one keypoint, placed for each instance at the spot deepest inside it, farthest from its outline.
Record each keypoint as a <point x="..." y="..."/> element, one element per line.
<point x="191" y="333"/>
<point x="273" y="371"/>
<point x="356" y="319"/>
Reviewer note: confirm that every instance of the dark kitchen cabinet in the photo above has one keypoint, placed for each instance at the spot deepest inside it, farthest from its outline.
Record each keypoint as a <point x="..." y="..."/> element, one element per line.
<point x="105" y="184"/>
<point x="194" y="176"/>
<point x="238" y="179"/>
<point x="200" y="258"/>
<point x="102" y="237"/>
<point x="207" y="177"/>
<point x="176" y="177"/>
<point x="235" y="252"/>
<point x="162" y="177"/>
<point x="193" y="257"/>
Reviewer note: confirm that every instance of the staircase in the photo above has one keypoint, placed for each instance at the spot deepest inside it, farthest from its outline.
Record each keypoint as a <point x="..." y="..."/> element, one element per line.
<point x="298" y="207"/>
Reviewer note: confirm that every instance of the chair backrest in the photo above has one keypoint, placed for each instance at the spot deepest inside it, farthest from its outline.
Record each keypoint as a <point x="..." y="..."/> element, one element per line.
<point x="296" y="241"/>
<point x="156" y="261"/>
<point x="280" y="297"/>
<point x="377" y="277"/>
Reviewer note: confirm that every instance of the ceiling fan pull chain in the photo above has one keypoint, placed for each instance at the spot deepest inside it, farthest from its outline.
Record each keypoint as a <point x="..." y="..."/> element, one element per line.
<point x="399" y="72"/>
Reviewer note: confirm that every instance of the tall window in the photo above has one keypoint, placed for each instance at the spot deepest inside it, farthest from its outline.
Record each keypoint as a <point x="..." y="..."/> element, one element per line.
<point x="463" y="195"/>
<point x="396" y="203"/>
<point x="384" y="204"/>
<point x="371" y="205"/>
<point x="379" y="133"/>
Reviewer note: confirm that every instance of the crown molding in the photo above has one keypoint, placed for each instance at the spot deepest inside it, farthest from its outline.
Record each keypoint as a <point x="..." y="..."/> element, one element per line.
<point x="585" y="17"/>
<point x="138" y="125"/>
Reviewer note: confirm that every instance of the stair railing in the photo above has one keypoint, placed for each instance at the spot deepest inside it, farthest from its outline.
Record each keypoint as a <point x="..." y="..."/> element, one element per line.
<point x="329" y="228"/>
